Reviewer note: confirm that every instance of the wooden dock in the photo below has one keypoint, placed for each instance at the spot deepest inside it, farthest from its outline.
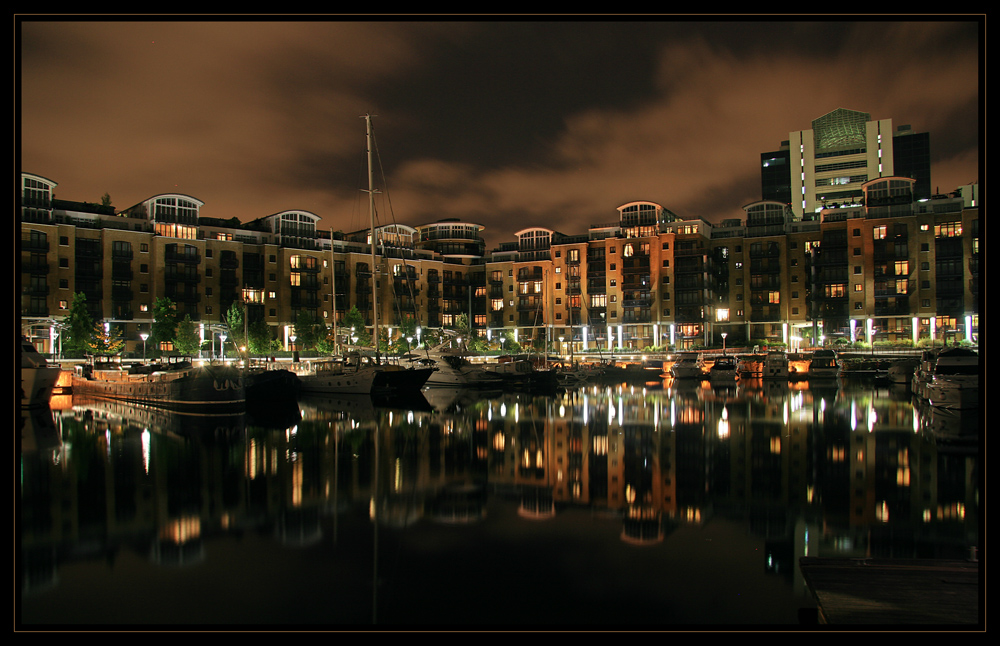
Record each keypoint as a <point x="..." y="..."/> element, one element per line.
<point x="908" y="592"/>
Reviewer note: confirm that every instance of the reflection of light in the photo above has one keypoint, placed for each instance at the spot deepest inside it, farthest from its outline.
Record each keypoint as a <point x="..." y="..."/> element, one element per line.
<point x="145" y="450"/>
<point x="882" y="512"/>
<point x="724" y="424"/>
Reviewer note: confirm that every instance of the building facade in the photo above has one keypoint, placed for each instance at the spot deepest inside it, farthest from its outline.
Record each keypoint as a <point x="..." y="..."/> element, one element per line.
<point x="828" y="164"/>
<point x="888" y="266"/>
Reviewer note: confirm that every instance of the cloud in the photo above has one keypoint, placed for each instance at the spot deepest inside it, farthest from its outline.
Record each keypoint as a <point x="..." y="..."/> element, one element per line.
<point x="506" y="124"/>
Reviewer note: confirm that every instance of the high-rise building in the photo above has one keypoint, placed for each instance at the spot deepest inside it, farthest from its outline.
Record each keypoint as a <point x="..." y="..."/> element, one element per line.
<point x="827" y="165"/>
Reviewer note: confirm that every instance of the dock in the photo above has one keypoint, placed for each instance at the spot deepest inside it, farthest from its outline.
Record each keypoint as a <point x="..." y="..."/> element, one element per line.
<point x="903" y="592"/>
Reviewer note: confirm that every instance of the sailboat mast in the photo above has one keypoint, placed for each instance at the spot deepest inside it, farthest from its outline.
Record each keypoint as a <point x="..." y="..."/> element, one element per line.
<point x="371" y="212"/>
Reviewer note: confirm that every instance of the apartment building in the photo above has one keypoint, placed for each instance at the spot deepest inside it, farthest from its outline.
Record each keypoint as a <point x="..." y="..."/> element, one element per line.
<point x="892" y="267"/>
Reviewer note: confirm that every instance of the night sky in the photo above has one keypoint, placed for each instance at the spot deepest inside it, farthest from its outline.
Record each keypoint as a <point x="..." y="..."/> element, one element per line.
<point x="507" y="123"/>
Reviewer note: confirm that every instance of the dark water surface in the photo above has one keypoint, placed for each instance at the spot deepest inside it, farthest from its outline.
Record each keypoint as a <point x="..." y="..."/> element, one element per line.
<point x="614" y="506"/>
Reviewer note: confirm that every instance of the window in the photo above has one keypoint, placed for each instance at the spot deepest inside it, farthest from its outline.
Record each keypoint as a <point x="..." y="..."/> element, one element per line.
<point x="859" y="287"/>
<point x="948" y="230"/>
<point x="879" y="232"/>
<point x="774" y="297"/>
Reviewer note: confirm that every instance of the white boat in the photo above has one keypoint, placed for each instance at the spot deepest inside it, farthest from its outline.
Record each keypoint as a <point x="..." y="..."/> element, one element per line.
<point x="955" y="380"/>
<point x="775" y="366"/>
<point x="455" y="371"/>
<point x="38" y="378"/>
<point x="337" y="377"/>
<point x="688" y="365"/>
<point x="824" y="365"/>
<point x="725" y="371"/>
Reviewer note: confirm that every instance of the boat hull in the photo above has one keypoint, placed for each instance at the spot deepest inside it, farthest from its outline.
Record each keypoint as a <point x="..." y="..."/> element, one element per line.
<point x="953" y="393"/>
<point x="390" y="380"/>
<point x="211" y="389"/>
<point x="359" y="382"/>
<point x="37" y="385"/>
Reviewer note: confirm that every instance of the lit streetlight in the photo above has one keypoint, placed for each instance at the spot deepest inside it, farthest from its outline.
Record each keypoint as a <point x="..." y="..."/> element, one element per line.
<point x="144" y="336"/>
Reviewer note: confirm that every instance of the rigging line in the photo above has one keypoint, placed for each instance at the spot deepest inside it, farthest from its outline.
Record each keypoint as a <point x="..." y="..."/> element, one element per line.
<point x="392" y="215"/>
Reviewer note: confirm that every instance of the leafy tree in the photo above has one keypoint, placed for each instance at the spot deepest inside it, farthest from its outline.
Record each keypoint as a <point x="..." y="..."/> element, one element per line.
<point x="353" y="319"/>
<point x="261" y="340"/>
<point x="234" y="321"/>
<point x="106" y="200"/>
<point x="477" y="343"/>
<point x="461" y="325"/>
<point x="164" y="328"/>
<point x="509" y="345"/>
<point x="78" y="325"/>
<point x="328" y="343"/>
<point x="307" y="330"/>
<point x="105" y="341"/>
<point x="186" y="340"/>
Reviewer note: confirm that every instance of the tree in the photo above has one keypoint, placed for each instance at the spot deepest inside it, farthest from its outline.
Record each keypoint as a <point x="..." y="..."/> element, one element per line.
<point x="261" y="340"/>
<point x="187" y="341"/>
<point x="353" y="319"/>
<point x="164" y="327"/>
<point x="78" y="325"/>
<point x="105" y="341"/>
<point x="234" y="321"/>
<point x="307" y="330"/>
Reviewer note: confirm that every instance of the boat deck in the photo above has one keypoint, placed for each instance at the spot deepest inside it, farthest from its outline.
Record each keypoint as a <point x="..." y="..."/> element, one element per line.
<point x="894" y="591"/>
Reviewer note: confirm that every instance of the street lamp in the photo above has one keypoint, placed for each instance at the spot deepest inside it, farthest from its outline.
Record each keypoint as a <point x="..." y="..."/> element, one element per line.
<point x="144" y="336"/>
<point x="222" y="346"/>
<point x="724" y="335"/>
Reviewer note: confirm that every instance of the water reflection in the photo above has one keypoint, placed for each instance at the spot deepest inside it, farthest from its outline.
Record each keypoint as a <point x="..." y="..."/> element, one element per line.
<point x="833" y="470"/>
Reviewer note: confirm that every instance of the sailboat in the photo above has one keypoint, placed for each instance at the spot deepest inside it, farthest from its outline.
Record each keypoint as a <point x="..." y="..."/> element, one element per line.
<point x="388" y="378"/>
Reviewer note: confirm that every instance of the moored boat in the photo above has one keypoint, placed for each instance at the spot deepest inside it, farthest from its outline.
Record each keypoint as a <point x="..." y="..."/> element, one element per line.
<point x="38" y="377"/>
<point x="901" y="372"/>
<point x="923" y="373"/>
<point x="265" y="381"/>
<point x="176" y="383"/>
<point x="336" y="376"/>
<point x="455" y="371"/>
<point x="955" y="380"/>
<point x="522" y="374"/>
<point x="688" y="365"/>
<point x="775" y="366"/>
<point x="724" y="372"/>
<point x="391" y="379"/>
<point x="824" y="365"/>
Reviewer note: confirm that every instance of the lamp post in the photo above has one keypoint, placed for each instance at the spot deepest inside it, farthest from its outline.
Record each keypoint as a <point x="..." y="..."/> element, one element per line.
<point x="724" y="335"/>
<point x="144" y="336"/>
<point x="222" y="346"/>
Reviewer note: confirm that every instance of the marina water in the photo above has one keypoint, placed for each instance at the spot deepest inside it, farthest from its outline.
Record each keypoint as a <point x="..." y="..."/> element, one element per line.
<point x="623" y="506"/>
